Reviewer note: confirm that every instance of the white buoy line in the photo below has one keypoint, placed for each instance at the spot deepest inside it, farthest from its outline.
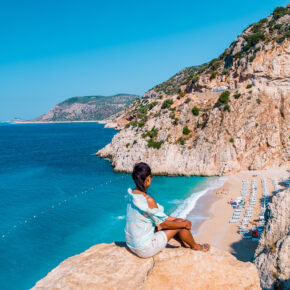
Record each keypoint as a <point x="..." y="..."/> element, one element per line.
<point x="27" y="220"/>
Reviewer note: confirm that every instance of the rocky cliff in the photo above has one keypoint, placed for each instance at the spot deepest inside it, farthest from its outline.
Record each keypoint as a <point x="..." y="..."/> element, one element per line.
<point x="87" y="108"/>
<point x="112" y="266"/>
<point x="272" y="256"/>
<point x="224" y="116"/>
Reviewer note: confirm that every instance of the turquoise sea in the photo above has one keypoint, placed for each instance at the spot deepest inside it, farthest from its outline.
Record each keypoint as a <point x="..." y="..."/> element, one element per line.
<point x="58" y="198"/>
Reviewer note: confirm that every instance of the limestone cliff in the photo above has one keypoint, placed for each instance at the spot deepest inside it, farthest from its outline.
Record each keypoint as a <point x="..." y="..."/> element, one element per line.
<point x="272" y="256"/>
<point x="110" y="266"/>
<point x="228" y="115"/>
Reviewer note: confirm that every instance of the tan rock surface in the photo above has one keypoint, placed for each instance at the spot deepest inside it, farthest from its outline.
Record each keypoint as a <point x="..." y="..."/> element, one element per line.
<point x="110" y="266"/>
<point x="272" y="256"/>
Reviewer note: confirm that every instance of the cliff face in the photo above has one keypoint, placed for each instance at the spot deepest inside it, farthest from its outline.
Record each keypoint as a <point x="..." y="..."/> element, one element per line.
<point x="87" y="108"/>
<point x="110" y="266"/>
<point x="203" y="131"/>
<point x="272" y="256"/>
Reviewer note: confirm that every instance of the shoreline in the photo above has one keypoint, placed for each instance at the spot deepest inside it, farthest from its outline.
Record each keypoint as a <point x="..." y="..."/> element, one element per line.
<point x="201" y="211"/>
<point x="195" y="207"/>
<point x="216" y="229"/>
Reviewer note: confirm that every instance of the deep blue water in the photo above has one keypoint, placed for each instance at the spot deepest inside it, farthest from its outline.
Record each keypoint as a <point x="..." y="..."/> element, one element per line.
<point x="44" y="168"/>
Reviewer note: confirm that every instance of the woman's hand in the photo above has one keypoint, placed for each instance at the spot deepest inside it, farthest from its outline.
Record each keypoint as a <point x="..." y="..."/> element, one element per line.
<point x="158" y="228"/>
<point x="188" y="224"/>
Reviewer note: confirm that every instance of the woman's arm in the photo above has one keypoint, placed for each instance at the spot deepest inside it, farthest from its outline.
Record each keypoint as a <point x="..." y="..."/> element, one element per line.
<point x="171" y="223"/>
<point x="172" y="218"/>
<point x="175" y="224"/>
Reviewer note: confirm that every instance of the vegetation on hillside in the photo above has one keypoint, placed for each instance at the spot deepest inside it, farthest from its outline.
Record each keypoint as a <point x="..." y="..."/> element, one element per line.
<point x="172" y="86"/>
<point x="270" y="29"/>
<point x="88" y="108"/>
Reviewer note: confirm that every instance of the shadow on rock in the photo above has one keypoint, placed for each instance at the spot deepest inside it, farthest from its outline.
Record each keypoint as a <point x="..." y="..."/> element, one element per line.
<point x="244" y="250"/>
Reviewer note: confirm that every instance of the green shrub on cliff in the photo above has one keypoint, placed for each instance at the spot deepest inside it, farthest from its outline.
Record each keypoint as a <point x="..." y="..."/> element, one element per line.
<point x="237" y="95"/>
<point x="227" y="108"/>
<point x="152" y="133"/>
<point x="181" y="94"/>
<point x="195" y="78"/>
<point x="223" y="98"/>
<point x="166" y="103"/>
<point x="214" y="64"/>
<point x="213" y="75"/>
<point x="175" y="122"/>
<point x="143" y="109"/>
<point x="256" y="27"/>
<point x="284" y="36"/>
<point x="134" y="123"/>
<point x="152" y="105"/>
<point x="253" y="39"/>
<point x="225" y="71"/>
<point x="185" y="130"/>
<point x="280" y="12"/>
<point x="155" y="144"/>
<point x="195" y="111"/>
<point x="181" y="141"/>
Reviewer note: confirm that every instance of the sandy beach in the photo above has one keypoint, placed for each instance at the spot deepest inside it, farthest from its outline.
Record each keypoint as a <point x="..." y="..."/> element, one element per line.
<point x="217" y="230"/>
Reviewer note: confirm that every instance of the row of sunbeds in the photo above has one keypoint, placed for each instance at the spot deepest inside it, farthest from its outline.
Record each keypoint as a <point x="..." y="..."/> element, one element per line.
<point x="248" y="210"/>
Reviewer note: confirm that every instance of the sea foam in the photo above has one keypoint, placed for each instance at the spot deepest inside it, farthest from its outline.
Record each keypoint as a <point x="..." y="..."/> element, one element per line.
<point x="189" y="204"/>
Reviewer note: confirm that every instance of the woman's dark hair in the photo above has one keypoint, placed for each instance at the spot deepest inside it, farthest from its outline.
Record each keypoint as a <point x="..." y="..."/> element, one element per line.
<point x="140" y="172"/>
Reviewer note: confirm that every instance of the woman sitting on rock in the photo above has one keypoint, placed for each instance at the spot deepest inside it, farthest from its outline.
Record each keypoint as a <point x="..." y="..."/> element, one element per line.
<point x="144" y="216"/>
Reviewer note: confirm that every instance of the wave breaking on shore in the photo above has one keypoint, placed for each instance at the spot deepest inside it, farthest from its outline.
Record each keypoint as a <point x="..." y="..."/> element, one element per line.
<point x="183" y="210"/>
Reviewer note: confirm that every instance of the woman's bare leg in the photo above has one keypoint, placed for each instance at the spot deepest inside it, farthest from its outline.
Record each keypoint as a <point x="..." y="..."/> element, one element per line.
<point x="182" y="243"/>
<point x="171" y="233"/>
<point x="185" y="236"/>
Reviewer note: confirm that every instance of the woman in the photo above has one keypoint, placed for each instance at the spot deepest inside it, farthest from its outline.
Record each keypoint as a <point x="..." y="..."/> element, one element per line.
<point x="144" y="216"/>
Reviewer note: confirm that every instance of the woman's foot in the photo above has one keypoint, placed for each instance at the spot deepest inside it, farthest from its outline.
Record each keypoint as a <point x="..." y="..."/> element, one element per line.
<point x="203" y="247"/>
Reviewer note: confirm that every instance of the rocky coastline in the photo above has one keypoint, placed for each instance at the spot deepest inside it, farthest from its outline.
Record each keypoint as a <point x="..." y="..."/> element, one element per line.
<point x="231" y="115"/>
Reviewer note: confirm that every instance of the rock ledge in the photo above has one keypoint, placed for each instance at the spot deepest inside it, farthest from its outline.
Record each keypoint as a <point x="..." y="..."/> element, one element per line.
<point x="112" y="266"/>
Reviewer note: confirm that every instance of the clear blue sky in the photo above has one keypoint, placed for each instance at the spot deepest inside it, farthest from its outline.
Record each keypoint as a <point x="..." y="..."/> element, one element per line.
<point x="54" y="49"/>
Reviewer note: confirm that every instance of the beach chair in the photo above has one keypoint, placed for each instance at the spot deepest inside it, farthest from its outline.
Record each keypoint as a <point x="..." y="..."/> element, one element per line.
<point x="247" y="237"/>
<point x="236" y="217"/>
